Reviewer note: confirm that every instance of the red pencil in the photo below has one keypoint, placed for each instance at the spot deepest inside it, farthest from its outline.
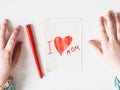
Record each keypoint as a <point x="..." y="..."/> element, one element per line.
<point x="34" y="51"/>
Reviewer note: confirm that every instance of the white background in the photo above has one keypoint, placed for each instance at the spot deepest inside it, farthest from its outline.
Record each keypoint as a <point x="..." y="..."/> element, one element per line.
<point x="95" y="75"/>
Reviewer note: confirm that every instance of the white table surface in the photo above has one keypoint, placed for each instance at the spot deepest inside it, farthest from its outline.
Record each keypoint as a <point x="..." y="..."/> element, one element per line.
<point x="95" y="75"/>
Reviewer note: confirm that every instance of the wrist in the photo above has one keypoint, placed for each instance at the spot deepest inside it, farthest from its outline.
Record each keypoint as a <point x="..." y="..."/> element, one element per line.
<point x="3" y="79"/>
<point x="6" y="83"/>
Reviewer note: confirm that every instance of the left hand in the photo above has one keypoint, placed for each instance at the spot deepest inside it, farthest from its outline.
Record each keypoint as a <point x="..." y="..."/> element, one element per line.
<point x="9" y="51"/>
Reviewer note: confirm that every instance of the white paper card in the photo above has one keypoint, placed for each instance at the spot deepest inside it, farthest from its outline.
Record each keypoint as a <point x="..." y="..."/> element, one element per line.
<point x="63" y="43"/>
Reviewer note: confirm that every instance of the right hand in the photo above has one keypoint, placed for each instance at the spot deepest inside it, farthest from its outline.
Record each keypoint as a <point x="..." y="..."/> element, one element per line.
<point x="109" y="44"/>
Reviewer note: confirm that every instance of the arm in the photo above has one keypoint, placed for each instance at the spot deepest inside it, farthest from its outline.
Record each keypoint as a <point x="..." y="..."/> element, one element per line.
<point x="109" y="45"/>
<point x="9" y="51"/>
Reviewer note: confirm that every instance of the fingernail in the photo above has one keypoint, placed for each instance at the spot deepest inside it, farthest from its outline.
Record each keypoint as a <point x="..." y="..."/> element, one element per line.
<point x="101" y="19"/>
<point x="18" y="27"/>
<point x="5" y="21"/>
<point x="110" y="13"/>
<point x="89" y="42"/>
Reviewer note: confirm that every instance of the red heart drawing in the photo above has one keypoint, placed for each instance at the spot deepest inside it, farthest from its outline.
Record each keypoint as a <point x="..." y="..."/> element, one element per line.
<point x="62" y="44"/>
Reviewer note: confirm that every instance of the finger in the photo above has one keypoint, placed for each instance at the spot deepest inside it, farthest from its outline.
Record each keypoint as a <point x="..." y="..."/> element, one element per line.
<point x="111" y="23"/>
<point x="3" y="33"/>
<point x="96" y="45"/>
<point x="16" y="54"/>
<point x="117" y="18"/>
<point x="104" y="36"/>
<point x="12" y="40"/>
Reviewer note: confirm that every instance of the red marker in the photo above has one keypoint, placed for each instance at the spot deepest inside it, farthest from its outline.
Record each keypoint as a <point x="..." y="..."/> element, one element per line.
<point x="32" y="44"/>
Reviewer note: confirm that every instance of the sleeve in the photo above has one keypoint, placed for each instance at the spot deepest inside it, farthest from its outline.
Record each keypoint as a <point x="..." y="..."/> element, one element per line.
<point x="10" y="87"/>
<point x="117" y="83"/>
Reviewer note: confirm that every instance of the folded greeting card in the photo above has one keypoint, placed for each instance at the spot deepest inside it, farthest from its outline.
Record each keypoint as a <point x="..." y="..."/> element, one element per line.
<point x="63" y="43"/>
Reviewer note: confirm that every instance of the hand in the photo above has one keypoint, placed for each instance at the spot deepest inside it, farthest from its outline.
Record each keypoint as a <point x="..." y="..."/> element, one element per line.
<point x="109" y="44"/>
<point x="9" y="51"/>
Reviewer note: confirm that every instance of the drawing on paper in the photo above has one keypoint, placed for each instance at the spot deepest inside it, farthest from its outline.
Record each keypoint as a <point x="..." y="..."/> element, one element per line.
<point x="63" y="44"/>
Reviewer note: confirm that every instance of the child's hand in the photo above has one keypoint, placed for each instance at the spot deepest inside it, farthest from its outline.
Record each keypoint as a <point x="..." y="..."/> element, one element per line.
<point x="109" y="45"/>
<point x="9" y="51"/>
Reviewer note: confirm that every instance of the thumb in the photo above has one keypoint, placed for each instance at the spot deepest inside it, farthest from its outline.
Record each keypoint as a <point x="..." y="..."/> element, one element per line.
<point x="96" y="45"/>
<point x="16" y="54"/>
